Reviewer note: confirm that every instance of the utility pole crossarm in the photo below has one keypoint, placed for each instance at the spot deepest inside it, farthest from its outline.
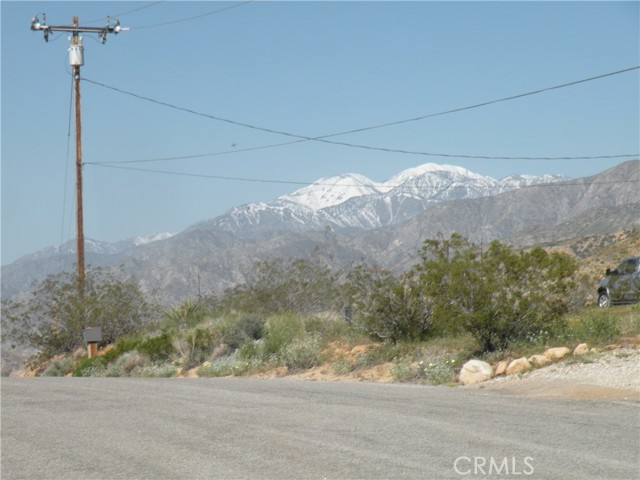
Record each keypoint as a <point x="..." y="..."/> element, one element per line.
<point x="110" y="27"/>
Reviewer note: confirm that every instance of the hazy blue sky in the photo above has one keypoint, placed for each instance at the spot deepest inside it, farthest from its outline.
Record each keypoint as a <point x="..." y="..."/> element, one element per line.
<point x="307" y="68"/>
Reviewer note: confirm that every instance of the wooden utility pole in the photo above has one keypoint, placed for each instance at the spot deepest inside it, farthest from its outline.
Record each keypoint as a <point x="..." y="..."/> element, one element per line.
<point x="76" y="60"/>
<point x="76" y="43"/>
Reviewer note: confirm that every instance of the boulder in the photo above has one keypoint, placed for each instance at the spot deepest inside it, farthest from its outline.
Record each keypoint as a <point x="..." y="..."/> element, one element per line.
<point x="518" y="365"/>
<point x="581" y="349"/>
<point x="475" y="371"/>
<point x="539" y="361"/>
<point x="501" y="367"/>
<point x="557" y="353"/>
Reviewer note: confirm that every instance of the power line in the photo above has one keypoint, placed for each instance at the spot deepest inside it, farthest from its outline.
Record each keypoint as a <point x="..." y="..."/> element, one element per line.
<point x="200" y="114"/>
<point x="484" y="104"/>
<point x="122" y="14"/>
<point x="153" y="4"/>
<point x="195" y="17"/>
<point x="297" y="182"/>
<point x="66" y="172"/>
<point x="324" y="138"/>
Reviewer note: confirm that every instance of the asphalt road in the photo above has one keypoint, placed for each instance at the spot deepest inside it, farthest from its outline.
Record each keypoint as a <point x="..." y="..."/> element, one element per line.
<point x="110" y="428"/>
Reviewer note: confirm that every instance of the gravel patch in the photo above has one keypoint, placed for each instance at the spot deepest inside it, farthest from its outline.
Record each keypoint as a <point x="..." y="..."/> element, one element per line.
<point x="611" y="374"/>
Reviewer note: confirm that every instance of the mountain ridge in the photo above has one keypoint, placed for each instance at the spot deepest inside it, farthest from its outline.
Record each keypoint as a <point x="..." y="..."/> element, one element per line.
<point x="386" y="229"/>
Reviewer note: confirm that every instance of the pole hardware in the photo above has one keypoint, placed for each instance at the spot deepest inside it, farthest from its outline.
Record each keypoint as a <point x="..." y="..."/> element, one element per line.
<point x="112" y="26"/>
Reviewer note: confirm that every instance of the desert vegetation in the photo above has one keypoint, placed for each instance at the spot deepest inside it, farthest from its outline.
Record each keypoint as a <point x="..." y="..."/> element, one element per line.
<point x="460" y="299"/>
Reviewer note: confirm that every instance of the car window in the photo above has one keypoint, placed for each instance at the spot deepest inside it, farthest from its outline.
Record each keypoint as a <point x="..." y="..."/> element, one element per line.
<point x="628" y="266"/>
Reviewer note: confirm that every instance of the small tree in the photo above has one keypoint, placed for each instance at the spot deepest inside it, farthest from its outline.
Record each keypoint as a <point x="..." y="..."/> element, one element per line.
<point x="298" y="285"/>
<point x="389" y="307"/>
<point x="499" y="295"/>
<point x="54" y="316"/>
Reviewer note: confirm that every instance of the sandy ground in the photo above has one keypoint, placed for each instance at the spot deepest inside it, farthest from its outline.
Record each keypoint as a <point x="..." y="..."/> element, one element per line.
<point x="611" y="375"/>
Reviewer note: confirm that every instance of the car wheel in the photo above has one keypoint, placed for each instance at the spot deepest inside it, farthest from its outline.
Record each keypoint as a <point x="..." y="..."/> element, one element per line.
<point x="603" y="300"/>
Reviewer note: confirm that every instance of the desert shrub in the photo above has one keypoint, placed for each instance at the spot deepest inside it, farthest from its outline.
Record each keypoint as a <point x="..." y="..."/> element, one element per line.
<point x="90" y="367"/>
<point x="497" y="294"/>
<point x="125" y="364"/>
<point x="224" y="366"/>
<point x="157" y="348"/>
<point x="594" y="325"/>
<point x="282" y="330"/>
<point x="389" y="307"/>
<point x="438" y="372"/>
<point x="53" y="318"/>
<point x="247" y="328"/>
<point x="185" y="315"/>
<point x="252" y="351"/>
<point x="154" y="371"/>
<point x="343" y="366"/>
<point x="123" y="345"/>
<point x="403" y="370"/>
<point x="331" y="327"/>
<point x="385" y="352"/>
<point x="192" y="347"/>
<point x="59" y="368"/>
<point x="629" y="320"/>
<point x="302" y="353"/>
<point x="296" y="285"/>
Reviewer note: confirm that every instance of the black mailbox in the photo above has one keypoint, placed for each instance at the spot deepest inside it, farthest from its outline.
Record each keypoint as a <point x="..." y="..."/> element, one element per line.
<point x="92" y="334"/>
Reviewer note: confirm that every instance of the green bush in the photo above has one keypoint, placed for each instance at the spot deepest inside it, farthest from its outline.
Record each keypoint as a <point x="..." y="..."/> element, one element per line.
<point x="187" y="314"/>
<point x="154" y="371"/>
<point x="595" y="325"/>
<point x="194" y="346"/>
<point x="89" y="367"/>
<point x="295" y="285"/>
<point x="59" y="368"/>
<point x="343" y="366"/>
<point x="497" y="294"/>
<point x="403" y="371"/>
<point x="302" y="353"/>
<point x="125" y="364"/>
<point x="53" y="319"/>
<point x="438" y="373"/>
<point x="247" y="328"/>
<point x="224" y="366"/>
<point x="122" y="346"/>
<point x="252" y="351"/>
<point x="282" y="330"/>
<point x="388" y="307"/>
<point x="156" y="348"/>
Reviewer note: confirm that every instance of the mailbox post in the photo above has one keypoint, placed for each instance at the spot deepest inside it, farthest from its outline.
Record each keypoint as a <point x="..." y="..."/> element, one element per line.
<point x="92" y="335"/>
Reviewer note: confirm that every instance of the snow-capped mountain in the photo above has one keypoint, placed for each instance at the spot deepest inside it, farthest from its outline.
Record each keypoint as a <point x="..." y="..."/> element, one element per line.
<point x="353" y="202"/>
<point x="410" y="206"/>
<point x="331" y="191"/>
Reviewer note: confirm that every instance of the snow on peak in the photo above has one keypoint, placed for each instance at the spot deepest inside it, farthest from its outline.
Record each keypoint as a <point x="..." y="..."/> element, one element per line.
<point x="430" y="168"/>
<point x="330" y="191"/>
<point x="143" y="240"/>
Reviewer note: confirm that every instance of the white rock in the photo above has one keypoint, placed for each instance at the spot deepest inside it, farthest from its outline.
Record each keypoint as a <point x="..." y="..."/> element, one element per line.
<point x="475" y="371"/>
